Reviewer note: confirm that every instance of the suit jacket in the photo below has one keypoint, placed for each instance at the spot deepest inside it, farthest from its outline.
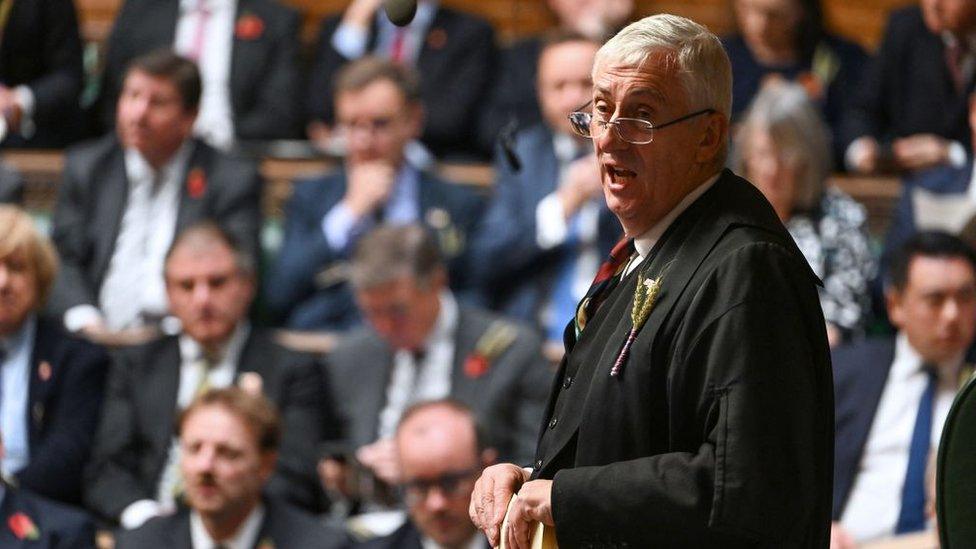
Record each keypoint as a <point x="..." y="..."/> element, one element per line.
<point x="455" y="65"/>
<point x="508" y="398"/>
<point x="41" y="49"/>
<point x="91" y="202"/>
<point x="514" y="272"/>
<point x="264" y="69"/>
<point x="67" y="378"/>
<point x="283" y="526"/>
<point x="907" y="89"/>
<point x="307" y="289"/>
<point x="137" y="424"/>
<point x="720" y="423"/>
<point x="11" y="185"/>
<point x="860" y="373"/>
<point x="513" y="95"/>
<point x="405" y="537"/>
<point x="58" y="526"/>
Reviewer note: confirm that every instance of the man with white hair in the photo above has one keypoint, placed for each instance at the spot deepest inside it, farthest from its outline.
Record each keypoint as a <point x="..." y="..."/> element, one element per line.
<point x="694" y="409"/>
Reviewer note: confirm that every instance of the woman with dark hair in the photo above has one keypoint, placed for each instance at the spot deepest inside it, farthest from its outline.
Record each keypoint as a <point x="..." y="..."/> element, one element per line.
<point x="786" y="39"/>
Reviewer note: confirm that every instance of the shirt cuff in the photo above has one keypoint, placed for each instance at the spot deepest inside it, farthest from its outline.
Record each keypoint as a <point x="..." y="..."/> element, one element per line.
<point x="957" y="154"/>
<point x="854" y="153"/>
<point x="25" y="98"/>
<point x="137" y="513"/>
<point x="550" y="222"/>
<point x="337" y="225"/>
<point x="81" y="316"/>
<point x="350" y="41"/>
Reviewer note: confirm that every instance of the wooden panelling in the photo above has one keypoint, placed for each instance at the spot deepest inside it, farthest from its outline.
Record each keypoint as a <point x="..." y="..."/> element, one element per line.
<point x="860" y="20"/>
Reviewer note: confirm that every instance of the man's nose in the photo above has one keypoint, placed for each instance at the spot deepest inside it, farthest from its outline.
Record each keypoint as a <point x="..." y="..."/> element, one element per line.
<point x="436" y="499"/>
<point x="4" y="275"/>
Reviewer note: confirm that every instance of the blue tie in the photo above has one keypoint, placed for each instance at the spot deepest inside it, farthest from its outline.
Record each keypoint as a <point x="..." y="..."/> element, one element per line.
<point x="912" y="516"/>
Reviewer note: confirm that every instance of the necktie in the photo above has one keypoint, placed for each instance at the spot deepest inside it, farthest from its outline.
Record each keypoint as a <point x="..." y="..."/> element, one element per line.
<point x="954" y="56"/>
<point x="607" y="277"/>
<point x="912" y="516"/>
<point x="397" y="49"/>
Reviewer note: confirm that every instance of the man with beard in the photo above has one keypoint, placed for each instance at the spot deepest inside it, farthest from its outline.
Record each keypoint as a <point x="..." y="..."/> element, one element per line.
<point x="229" y="440"/>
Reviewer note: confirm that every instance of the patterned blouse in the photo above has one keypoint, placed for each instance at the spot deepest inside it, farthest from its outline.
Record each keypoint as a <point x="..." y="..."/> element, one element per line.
<point x="834" y="240"/>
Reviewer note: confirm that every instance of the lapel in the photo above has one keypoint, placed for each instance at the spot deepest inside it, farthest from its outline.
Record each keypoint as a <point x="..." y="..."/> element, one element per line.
<point x="177" y="536"/>
<point x="193" y="208"/>
<point x="13" y="503"/>
<point x="258" y="356"/>
<point x="428" y="60"/>
<point x="45" y="356"/>
<point x="108" y="207"/>
<point x="463" y="387"/>
<point x="160" y="387"/>
<point x="373" y="381"/>
<point x="246" y="54"/>
<point x="429" y="196"/>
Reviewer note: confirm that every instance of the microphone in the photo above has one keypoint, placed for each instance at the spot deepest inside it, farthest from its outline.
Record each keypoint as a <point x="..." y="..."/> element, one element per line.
<point x="400" y="12"/>
<point x="506" y="138"/>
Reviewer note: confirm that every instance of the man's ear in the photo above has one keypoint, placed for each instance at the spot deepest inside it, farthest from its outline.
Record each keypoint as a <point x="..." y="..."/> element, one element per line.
<point x="893" y="303"/>
<point x="268" y="462"/>
<point x="714" y="138"/>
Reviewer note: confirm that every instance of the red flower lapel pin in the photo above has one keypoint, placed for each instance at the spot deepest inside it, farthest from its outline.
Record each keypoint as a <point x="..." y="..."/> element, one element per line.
<point x="249" y="27"/>
<point x="476" y="365"/>
<point x="196" y="183"/>
<point x="23" y="527"/>
<point x="496" y="340"/>
<point x="44" y="370"/>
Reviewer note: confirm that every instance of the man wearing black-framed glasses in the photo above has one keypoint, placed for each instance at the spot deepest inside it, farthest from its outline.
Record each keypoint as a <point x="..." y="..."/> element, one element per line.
<point x="693" y="407"/>
<point x="441" y="453"/>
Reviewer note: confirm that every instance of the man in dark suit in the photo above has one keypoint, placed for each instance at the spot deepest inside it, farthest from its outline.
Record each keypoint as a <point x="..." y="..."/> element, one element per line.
<point x="133" y="474"/>
<point x="438" y="447"/>
<point x="548" y="226"/>
<point x="248" y="53"/>
<point x="513" y="92"/>
<point x="33" y="522"/>
<point x="892" y="391"/>
<point x="51" y="384"/>
<point x="124" y="196"/>
<point x="453" y="52"/>
<point x="696" y="387"/>
<point x="40" y="74"/>
<point x="378" y="109"/>
<point x="910" y="109"/>
<point x="421" y="344"/>
<point x="229" y="440"/>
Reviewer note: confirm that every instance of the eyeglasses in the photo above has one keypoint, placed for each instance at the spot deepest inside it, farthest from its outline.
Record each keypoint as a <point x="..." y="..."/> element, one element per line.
<point x="632" y="130"/>
<point x="449" y="484"/>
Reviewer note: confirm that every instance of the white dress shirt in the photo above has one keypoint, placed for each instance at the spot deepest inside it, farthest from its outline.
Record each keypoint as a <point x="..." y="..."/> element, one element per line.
<point x="134" y="284"/>
<point x="246" y="536"/>
<point x="351" y="41"/>
<point x="431" y="379"/>
<point x="875" y="501"/>
<point x="340" y="224"/>
<point x="215" y="40"/>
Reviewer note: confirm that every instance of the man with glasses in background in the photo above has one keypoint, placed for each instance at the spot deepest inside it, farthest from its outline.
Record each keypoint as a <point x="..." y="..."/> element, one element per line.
<point x="441" y="453"/>
<point x="693" y="407"/>
<point x="378" y="111"/>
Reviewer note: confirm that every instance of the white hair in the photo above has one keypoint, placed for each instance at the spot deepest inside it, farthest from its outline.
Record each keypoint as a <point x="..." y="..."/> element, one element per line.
<point x="701" y="61"/>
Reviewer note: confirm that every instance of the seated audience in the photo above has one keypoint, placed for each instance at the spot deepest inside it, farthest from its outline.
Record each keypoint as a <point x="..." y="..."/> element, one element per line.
<point x="786" y="39"/>
<point x="124" y="196"/>
<point x="51" y="384"/>
<point x="454" y="53"/>
<point x="31" y="521"/>
<point x="422" y="344"/>
<point x="513" y="92"/>
<point x="11" y="185"/>
<point x="247" y="51"/>
<point x="441" y="454"/>
<point x="892" y="395"/>
<point x="783" y="148"/>
<point x="548" y="226"/>
<point x="134" y="473"/>
<point x="910" y="110"/>
<point x="942" y="183"/>
<point x="378" y="111"/>
<point x="40" y="74"/>
<point x="229" y="441"/>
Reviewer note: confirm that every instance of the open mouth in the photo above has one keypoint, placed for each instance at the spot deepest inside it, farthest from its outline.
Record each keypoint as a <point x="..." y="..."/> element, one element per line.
<point x="616" y="173"/>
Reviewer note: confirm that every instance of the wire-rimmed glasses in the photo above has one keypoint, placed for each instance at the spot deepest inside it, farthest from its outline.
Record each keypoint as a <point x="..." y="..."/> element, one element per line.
<point x="631" y="130"/>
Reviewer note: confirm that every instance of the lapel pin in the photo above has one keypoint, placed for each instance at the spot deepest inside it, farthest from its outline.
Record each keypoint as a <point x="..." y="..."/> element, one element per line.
<point x="44" y="370"/>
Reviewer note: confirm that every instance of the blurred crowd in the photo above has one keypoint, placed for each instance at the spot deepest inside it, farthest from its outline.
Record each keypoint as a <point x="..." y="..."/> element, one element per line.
<point x="171" y="377"/>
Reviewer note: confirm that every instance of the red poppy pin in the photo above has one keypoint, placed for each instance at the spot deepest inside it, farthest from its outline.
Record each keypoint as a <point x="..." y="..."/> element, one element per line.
<point x="44" y="370"/>
<point x="196" y="183"/>
<point x="23" y="527"/>
<point x="437" y="38"/>
<point x="812" y="84"/>
<point x="476" y="365"/>
<point x="495" y="341"/>
<point x="249" y="27"/>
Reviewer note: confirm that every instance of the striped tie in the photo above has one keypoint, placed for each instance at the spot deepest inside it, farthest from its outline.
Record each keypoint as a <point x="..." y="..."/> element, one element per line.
<point x="607" y="277"/>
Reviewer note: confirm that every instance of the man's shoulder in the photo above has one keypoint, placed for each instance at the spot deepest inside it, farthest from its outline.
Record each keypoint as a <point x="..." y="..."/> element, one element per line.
<point x="851" y="358"/>
<point x="405" y="537"/>
<point x="906" y="20"/>
<point x="451" y="194"/>
<point x="156" y="532"/>
<point x="217" y="162"/>
<point x="53" y="341"/>
<point x="84" y="156"/>
<point x="265" y="342"/>
<point x="146" y="355"/>
<point x="291" y="527"/>
<point x="353" y="346"/>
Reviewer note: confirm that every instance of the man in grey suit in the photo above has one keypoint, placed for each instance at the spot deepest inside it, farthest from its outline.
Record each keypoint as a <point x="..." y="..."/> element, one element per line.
<point x="125" y="196"/>
<point x="133" y="474"/>
<point x="422" y="344"/>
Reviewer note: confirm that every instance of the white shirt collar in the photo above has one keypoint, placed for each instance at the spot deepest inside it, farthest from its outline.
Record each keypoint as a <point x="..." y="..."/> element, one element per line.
<point x="645" y="242"/>
<point x="908" y="362"/>
<point x="190" y="349"/>
<point x="213" y="5"/>
<point x="446" y="323"/>
<point x="245" y="537"/>
<point x="138" y="169"/>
